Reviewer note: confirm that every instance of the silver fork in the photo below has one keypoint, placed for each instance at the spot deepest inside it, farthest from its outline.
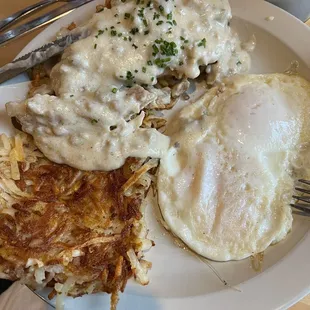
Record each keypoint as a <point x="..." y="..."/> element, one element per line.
<point x="4" y="23"/>
<point x="303" y="208"/>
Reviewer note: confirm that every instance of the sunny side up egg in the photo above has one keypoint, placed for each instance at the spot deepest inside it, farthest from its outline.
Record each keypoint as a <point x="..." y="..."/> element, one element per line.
<point x="226" y="183"/>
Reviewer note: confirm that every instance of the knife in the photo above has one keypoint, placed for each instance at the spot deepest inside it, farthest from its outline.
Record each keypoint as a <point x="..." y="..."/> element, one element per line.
<point x="40" y="21"/>
<point x="40" y="55"/>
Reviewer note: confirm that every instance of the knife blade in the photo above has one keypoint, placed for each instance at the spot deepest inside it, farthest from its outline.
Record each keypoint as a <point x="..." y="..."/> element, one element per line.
<point x="40" y="55"/>
<point x="41" y="21"/>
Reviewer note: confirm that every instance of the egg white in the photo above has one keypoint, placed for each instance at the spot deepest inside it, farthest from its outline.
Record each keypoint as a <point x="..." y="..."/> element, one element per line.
<point x="225" y="185"/>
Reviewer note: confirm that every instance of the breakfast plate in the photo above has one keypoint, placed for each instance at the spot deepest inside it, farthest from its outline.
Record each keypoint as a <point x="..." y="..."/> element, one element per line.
<point x="178" y="278"/>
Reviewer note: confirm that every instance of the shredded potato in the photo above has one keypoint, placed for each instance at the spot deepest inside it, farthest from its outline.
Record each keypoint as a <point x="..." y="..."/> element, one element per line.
<point x="75" y="231"/>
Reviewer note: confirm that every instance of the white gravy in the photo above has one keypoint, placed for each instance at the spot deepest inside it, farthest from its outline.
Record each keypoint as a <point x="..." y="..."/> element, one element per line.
<point x="93" y="122"/>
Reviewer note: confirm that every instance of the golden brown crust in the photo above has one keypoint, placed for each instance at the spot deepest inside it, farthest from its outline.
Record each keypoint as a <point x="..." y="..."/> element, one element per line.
<point x="73" y="224"/>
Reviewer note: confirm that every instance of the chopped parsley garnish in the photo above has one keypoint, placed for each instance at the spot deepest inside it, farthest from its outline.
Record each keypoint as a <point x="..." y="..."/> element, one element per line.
<point x="160" y="22"/>
<point x="94" y="121"/>
<point x="169" y="16"/>
<point x="156" y="16"/>
<point x="135" y="46"/>
<point x="71" y="96"/>
<point x="123" y="1"/>
<point x="152" y="78"/>
<point x="182" y="47"/>
<point x="130" y="39"/>
<point x="239" y="62"/>
<point x="161" y="8"/>
<point x="135" y="30"/>
<point x="146" y="32"/>
<point x="120" y="34"/>
<point x="114" y="90"/>
<point x="100" y="32"/>
<point x="95" y="46"/>
<point x="155" y="49"/>
<point x="182" y="38"/>
<point x="141" y="12"/>
<point x="125" y="39"/>
<point x="162" y="62"/>
<point x="181" y="63"/>
<point x="145" y="23"/>
<point x="168" y="48"/>
<point x="136" y="71"/>
<point x="129" y="76"/>
<point x="202" y="43"/>
<point x="174" y="22"/>
<point x="149" y="63"/>
<point x="148" y="4"/>
<point x="143" y="69"/>
<point x="127" y="15"/>
<point x="113" y="33"/>
<point x="116" y="15"/>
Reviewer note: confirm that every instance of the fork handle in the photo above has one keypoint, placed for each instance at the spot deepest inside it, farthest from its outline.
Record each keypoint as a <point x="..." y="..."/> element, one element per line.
<point x="14" y="17"/>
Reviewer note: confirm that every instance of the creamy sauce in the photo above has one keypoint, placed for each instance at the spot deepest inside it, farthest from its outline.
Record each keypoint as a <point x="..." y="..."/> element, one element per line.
<point x="137" y="43"/>
<point x="87" y="134"/>
<point x="94" y="121"/>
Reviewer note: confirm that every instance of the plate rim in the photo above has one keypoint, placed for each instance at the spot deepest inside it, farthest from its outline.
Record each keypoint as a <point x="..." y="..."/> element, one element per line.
<point x="270" y="289"/>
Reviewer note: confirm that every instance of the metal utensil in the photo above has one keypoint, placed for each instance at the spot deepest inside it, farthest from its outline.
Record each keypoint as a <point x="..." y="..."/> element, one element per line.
<point x="303" y="208"/>
<point x="43" y="20"/>
<point x="4" y="23"/>
<point x="40" y="55"/>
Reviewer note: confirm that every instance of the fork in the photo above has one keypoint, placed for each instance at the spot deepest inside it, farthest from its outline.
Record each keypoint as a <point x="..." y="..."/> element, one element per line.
<point x="304" y="208"/>
<point x="4" y="23"/>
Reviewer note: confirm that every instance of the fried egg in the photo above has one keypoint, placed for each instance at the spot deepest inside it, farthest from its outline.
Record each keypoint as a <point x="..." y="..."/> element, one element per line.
<point x="225" y="185"/>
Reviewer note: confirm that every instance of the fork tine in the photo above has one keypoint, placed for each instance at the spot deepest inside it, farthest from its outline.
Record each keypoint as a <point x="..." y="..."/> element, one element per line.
<point x="302" y="190"/>
<point x="302" y="207"/>
<point x="302" y="198"/>
<point x="301" y="213"/>
<point x="304" y="181"/>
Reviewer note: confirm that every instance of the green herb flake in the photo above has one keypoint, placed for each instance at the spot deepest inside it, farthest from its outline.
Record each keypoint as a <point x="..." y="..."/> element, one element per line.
<point x="169" y="16"/>
<point x="114" y="90"/>
<point x="94" y="121"/>
<point x="146" y="32"/>
<point x="143" y="69"/>
<point x="135" y="30"/>
<point x="149" y="63"/>
<point x="127" y="15"/>
<point x="129" y="76"/>
<point x="95" y="46"/>
<point x="202" y="43"/>
<point x="113" y="33"/>
<point x="155" y="49"/>
<point x="156" y="16"/>
<point x="160" y="22"/>
<point x="161" y="8"/>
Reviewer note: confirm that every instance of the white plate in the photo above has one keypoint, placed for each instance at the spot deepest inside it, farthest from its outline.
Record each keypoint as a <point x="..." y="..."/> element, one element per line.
<point x="178" y="279"/>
